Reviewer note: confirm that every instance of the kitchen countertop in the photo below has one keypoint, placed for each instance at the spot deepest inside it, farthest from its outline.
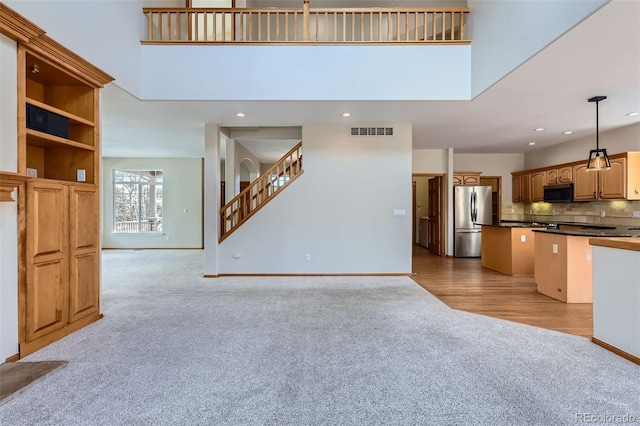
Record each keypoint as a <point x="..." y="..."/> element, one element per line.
<point x="621" y="231"/>
<point x="619" y="243"/>
<point x="518" y="225"/>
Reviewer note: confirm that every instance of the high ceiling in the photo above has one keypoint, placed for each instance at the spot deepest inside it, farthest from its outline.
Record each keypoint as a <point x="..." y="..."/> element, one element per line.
<point x="600" y="56"/>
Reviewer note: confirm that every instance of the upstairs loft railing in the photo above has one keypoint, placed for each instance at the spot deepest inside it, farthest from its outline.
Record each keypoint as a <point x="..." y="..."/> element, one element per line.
<point x="260" y="191"/>
<point x="306" y="26"/>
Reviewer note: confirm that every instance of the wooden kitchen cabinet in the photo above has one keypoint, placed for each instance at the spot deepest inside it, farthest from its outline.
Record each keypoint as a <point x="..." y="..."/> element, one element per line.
<point x="559" y="175"/>
<point x="602" y="185"/>
<point x="538" y="181"/>
<point x="466" y="178"/>
<point x="521" y="187"/>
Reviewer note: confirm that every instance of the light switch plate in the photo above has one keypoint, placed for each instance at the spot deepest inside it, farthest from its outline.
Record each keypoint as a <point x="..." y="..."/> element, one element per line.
<point x="81" y="175"/>
<point x="399" y="212"/>
<point x="523" y="238"/>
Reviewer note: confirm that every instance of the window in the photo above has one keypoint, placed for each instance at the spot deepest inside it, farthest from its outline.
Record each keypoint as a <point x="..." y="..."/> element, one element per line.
<point x="137" y="201"/>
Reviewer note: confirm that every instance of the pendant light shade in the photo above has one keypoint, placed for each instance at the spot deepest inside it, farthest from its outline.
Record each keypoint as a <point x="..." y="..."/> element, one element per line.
<point x="598" y="158"/>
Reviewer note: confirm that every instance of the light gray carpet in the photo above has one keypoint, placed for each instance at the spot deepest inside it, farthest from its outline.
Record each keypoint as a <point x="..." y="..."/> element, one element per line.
<point x="175" y="348"/>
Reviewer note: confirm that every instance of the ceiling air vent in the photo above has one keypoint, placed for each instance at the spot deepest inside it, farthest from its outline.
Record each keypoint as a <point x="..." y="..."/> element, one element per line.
<point x="371" y="131"/>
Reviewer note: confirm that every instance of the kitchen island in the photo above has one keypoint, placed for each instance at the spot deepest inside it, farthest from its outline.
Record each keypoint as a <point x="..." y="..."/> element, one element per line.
<point x="616" y="295"/>
<point x="508" y="248"/>
<point x="563" y="261"/>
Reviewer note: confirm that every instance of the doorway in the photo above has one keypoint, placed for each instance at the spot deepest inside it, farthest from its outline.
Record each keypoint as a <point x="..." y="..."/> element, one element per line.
<point x="428" y="211"/>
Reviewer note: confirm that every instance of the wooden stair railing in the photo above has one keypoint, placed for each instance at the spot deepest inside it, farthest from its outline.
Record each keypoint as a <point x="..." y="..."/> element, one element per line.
<point x="260" y="191"/>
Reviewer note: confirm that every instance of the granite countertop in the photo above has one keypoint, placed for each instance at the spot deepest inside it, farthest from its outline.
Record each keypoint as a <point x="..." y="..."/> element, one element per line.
<point x="518" y="225"/>
<point x="621" y="231"/>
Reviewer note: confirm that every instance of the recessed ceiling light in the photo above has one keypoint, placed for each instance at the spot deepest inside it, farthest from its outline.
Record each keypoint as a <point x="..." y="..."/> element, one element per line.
<point x="531" y="143"/>
<point x="240" y="114"/>
<point x="346" y="114"/>
<point x="568" y="132"/>
<point x="633" y="114"/>
<point x="539" y="129"/>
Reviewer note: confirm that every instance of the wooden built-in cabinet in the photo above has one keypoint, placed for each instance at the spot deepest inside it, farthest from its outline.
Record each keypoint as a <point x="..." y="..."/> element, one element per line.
<point x="58" y="147"/>
<point x="620" y="182"/>
<point x="563" y="174"/>
<point x="607" y="184"/>
<point x="466" y="178"/>
<point x="521" y="187"/>
<point x="538" y="181"/>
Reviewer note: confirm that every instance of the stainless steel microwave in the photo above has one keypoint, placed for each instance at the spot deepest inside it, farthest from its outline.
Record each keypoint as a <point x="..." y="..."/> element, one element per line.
<point x="562" y="193"/>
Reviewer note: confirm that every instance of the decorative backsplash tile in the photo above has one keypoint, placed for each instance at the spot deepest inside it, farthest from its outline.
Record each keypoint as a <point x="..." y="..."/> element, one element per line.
<point x="596" y="212"/>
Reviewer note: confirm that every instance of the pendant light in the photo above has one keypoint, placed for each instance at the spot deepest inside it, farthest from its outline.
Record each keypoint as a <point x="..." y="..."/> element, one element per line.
<point x="598" y="158"/>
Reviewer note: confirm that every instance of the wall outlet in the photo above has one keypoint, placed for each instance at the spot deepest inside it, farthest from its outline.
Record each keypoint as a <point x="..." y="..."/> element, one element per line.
<point x="167" y="237"/>
<point x="32" y="172"/>
<point x="236" y="255"/>
<point x="523" y="238"/>
<point x="603" y="213"/>
<point x="307" y="257"/>
<point x="554" y="249"/>
<point x="636" y="214"/>
<point x="553" y="212"/>
<point x="81" y="175"/>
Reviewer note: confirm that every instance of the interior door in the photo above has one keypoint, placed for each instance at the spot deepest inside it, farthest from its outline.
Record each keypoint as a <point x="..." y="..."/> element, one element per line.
<point x="436" y="208"/>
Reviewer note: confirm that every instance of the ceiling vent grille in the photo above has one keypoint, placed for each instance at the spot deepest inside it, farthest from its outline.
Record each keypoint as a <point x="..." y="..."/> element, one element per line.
<point x="371" y="131"/>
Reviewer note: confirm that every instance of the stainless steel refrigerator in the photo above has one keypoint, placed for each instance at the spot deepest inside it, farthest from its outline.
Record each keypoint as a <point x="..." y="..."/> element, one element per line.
<point x="471" y="210"/>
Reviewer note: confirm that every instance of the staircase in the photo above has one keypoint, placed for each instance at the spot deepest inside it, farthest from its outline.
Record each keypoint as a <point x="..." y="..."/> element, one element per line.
<point x="260" y="191"/>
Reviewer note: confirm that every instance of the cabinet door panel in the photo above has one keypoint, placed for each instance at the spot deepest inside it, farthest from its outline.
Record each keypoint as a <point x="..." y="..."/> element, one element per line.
<point x="584" y="184"/>
<point x="84" y="262"/>
<point x="525" y="188"/>
<point x="471" y="180"/>
<point x="538" y="181"/>
<point x="515" y="189"/>
<point x="47" y="223"/>
<point x="45" y="300"/>
<point x="83" y="216"/>
<point x="83" y="286"/>
<point x="565" y="174"/>
<point x="613" y="182"/>
<point x="552" y="177"/>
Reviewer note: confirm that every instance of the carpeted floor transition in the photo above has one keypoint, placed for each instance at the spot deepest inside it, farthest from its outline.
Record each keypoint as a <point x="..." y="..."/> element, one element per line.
<point x="175" y="348"/>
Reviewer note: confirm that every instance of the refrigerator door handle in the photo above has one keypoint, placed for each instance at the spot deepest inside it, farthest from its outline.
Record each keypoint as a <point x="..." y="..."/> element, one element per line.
<point x="474" y="210"/>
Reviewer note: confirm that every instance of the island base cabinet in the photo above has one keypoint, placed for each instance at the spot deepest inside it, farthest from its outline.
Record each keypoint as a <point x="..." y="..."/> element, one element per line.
<point x="616" y="300"/>
<point x="563" y="267"/>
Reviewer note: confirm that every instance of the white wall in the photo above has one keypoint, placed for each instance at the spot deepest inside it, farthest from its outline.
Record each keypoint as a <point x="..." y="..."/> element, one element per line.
<point x="107" y="33"/>
<point x="339" y="210"/>
<point x="182" y="189"/>
<point x="311" y="73"/>
<point x="506" y="33"/>
<point x="429" y="161"/>
<point x="614" y="141"/>
<point x="8" y="211"/>
<point x="492" y="165"/>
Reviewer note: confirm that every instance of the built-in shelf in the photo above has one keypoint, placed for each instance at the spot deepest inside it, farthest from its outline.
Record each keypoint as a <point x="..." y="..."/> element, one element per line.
<point x="8" y="182"/>
<point x="45" y="140"/>
<point x="72" y="117"/>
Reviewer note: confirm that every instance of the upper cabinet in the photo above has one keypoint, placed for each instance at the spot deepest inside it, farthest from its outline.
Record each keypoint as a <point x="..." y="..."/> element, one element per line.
<point x="618" y="183"/>
<point x="466" y="178"/>
<point x="563" y="174"/>
<point x="538" y="181"/>
<point x="521" y="187"/>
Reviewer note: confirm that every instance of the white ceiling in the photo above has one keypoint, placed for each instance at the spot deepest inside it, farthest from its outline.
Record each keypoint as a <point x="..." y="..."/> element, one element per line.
<point x="600" y="56"/>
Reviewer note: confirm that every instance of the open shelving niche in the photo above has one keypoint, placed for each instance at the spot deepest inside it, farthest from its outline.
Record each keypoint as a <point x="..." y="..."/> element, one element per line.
<point x="50" y="88"/>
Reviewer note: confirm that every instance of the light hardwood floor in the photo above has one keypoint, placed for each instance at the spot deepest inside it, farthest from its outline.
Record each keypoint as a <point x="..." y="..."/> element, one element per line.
<point x="462" y="283"/>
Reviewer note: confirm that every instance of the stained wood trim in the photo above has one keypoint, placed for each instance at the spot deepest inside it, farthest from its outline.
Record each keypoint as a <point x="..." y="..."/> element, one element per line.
<point x="13" y="358"/>
<point x="617" y="243"/>
<point x="10" y="180"/>
<point x="616" y="351"/>
<point x="16" y="26"/>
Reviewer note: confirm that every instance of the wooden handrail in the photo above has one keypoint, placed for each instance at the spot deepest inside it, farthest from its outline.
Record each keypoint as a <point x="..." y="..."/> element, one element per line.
<point x="260" y="191"/>
<point x="382" y="25"/>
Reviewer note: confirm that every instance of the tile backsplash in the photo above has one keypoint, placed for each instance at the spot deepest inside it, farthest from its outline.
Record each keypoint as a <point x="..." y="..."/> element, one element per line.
<point x="595" y="212"/>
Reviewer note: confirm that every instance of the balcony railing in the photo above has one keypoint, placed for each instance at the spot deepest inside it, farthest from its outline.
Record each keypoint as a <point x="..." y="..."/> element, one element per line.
<point x="306" y="25"/>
